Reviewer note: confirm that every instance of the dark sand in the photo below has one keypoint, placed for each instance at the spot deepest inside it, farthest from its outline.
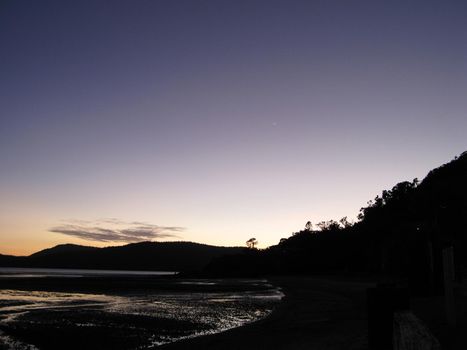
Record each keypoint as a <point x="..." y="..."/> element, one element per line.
<point x="329" y="314"/>
<point x="431" y="310"/>
<point x="84" y="322"/>
<point x="316" y="314"/>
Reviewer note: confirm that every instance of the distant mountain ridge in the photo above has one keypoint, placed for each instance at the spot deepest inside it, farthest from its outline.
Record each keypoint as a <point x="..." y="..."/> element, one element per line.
<point x="402" y="232"/>
<point x="168" y="256"/>
<point x="63" y="248"/>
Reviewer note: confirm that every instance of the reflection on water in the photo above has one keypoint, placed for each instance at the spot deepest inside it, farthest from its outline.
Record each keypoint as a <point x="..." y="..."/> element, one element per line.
<point x="128" y="321"/>
<point x="22" y="272"/>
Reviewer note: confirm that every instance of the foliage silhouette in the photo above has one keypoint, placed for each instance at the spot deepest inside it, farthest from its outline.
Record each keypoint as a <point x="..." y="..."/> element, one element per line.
<point x="400" y="233"/>
<point x="251" y="243"/>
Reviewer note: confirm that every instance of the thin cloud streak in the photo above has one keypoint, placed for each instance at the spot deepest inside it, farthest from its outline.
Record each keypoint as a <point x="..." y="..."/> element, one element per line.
<point x="114" y="230"/>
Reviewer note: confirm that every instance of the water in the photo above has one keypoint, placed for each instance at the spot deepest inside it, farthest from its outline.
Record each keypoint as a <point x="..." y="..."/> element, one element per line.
<point x="15" y="272"/>
<point x="154" y="310"/>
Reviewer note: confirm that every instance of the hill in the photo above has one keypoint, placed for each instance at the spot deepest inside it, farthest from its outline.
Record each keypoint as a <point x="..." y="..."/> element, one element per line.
<point x="169" y="256"/>
<point x="400" y="233"/>
<point x="8" y="260"/>
<point x="62" y="250"/>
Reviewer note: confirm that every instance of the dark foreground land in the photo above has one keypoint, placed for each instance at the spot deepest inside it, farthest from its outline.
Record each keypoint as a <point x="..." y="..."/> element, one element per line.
<point x="330" y="313"/>
<point x="123" y="312"/>
<point x="316" y="314"/>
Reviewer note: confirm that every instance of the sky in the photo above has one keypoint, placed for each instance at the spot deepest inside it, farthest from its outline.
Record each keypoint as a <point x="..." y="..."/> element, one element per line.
<point x="216" y="121"/>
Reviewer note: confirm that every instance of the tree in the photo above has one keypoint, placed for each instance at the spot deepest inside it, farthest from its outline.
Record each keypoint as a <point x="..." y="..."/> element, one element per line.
<point x="345" y="223"/>
<point x="330" y="225"/>
<point x="308" y="226"/>
<point x="251" y="243"/>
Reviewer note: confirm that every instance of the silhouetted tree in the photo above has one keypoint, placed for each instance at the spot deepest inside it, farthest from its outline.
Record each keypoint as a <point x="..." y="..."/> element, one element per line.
<point x="399" y="233"/>
<point x="330" y="225"/>
<point x="345" y="223"/>
<point x="251" y="243"/>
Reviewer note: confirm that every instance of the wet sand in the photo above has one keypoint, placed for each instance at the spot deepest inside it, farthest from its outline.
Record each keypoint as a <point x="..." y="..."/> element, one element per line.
<point x="125" y="312"/>
<point x="316" y="314"/>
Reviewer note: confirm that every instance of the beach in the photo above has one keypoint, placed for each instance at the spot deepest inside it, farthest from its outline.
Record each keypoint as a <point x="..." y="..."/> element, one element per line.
<point x="168" y="312"/>
<point x="316" y="313"/>
<point x="49" y="309"/>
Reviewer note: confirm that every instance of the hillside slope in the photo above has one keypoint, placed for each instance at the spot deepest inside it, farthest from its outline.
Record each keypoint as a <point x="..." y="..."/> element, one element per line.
<point x="170" y="256"/>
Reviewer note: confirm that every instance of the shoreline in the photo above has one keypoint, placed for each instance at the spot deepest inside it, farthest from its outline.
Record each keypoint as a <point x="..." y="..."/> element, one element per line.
<point x="315" y="313"/>
<point x="125" y="312"/>
<point x="319" y="312"/>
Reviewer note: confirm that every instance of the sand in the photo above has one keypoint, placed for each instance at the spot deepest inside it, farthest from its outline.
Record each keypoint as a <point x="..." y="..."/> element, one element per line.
<point x="316" y="313"/>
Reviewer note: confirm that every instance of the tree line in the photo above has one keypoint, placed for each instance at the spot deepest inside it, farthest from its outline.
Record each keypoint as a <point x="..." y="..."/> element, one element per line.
<point x="401" y="233"/>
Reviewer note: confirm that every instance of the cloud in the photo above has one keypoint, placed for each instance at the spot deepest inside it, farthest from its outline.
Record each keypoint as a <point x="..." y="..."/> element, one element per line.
<point x="114" y="230"/>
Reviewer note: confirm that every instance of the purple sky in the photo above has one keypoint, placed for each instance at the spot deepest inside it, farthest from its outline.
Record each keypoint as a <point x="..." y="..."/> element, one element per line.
<point x="223" y="119"/>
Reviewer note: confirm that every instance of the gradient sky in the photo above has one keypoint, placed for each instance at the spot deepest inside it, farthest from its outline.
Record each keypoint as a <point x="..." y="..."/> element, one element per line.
<point x="216" y="121"/>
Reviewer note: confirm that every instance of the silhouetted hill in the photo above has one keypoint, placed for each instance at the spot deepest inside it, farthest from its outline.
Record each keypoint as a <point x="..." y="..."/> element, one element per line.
<point x="170" y="256"/>
<point x="63" y="249"/>
<point x="400" y="224"/>
<point x="401" y="232"/>
<point x="8" y="260"/>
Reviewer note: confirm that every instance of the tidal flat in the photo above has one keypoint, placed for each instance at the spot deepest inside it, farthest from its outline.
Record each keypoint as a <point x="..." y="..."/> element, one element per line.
<point x="124" y="311"/>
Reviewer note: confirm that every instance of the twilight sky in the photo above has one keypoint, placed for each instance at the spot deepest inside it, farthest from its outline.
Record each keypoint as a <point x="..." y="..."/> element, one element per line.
<point x="216" y="121"/>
